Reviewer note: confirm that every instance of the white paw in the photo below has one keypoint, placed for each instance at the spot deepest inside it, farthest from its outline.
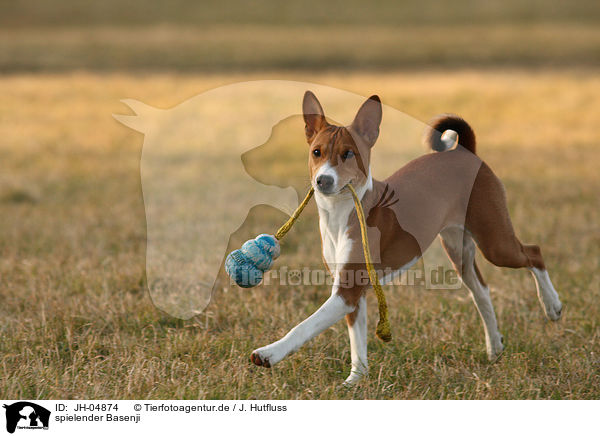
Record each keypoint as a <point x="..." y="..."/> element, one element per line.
<point x="495" y="348"/>
<point x="266" y="356"/>
<point x="547" y="295"/>
<point x="354" y="377"/>
<point x="552" y="307"/>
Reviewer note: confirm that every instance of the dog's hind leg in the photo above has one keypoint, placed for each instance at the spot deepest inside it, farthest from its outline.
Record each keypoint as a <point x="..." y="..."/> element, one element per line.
<point x="460" y="247"/>
<point x="512" y="254"/>
<point x="547" y="295"/>
<point x="489" y="221"/>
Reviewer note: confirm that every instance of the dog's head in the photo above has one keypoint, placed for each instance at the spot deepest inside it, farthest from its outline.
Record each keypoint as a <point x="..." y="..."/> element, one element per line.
<point x="340" y="155"/>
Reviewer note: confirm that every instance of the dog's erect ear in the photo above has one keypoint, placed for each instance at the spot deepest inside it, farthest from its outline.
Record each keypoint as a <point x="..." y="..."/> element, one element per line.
<point x="314" y="117"/>
<point x="367" y="120"/>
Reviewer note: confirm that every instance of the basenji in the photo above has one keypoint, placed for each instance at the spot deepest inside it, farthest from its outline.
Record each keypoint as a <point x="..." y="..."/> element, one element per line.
<point x="449" y="192"/>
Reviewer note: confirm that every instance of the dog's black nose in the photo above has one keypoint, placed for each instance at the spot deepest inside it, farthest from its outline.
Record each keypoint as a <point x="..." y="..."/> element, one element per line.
<point x="325" y="183"/>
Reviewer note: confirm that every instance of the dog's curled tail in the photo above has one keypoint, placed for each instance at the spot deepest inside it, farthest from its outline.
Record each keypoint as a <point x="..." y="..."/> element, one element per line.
<point x="444" y="130"/>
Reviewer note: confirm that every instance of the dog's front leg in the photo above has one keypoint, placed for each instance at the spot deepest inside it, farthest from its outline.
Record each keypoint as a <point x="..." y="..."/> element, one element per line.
<point x="357" y="330"/>
<point x="333" y="310"/>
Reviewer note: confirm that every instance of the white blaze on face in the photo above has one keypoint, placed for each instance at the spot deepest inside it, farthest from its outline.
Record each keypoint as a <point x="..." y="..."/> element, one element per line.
<point x="327" y="170"/>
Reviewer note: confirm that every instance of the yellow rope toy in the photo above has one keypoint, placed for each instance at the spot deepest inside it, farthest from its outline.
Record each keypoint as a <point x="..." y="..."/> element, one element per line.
<point x="247" y="265"/>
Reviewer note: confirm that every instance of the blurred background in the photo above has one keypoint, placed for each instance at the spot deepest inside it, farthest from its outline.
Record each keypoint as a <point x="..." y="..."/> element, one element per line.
<point x="76" y="319"/>
<point x="217" y="36"/>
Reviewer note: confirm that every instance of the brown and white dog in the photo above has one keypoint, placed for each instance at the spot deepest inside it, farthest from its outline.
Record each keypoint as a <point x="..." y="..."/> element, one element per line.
<point x="451" y="193"/>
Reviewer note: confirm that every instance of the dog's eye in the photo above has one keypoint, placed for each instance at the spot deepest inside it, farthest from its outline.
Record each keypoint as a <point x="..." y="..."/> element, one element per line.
<point x="348" y="154"/>
<point x="316" y="152"/>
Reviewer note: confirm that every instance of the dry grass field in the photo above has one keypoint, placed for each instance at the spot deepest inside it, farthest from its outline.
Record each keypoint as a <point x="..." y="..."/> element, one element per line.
<point x="76" y="320"/>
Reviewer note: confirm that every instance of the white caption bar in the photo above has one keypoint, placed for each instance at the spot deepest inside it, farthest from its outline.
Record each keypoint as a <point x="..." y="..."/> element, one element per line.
<point x="76" y="417"/>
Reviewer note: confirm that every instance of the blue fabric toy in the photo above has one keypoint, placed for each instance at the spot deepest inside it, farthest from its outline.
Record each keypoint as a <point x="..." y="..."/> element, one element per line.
<point x="247" y="265"/>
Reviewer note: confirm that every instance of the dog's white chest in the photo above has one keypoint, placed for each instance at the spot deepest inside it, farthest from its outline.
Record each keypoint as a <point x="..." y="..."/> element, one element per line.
<point x="336" y="249"/>
<point x="333" y="223"/>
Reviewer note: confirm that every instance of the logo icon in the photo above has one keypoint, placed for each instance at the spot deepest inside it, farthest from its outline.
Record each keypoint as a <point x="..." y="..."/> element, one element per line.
<point x="26" y="415"/>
